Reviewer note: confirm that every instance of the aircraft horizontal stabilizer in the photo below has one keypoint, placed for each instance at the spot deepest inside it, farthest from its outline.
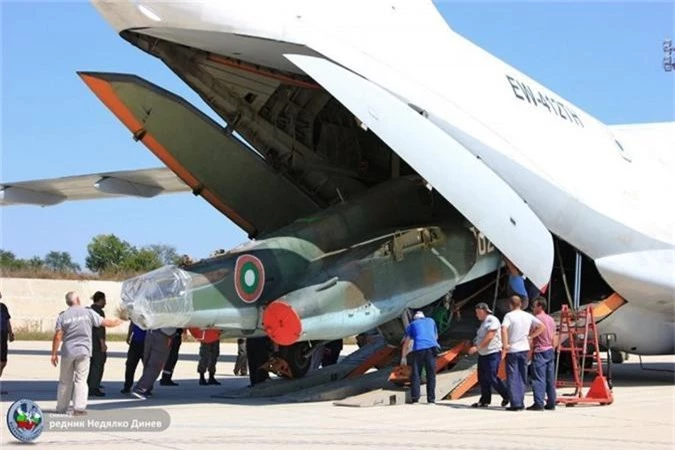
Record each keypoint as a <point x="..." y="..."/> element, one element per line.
<point x="475" y="190"/>
<point x="127" y="183"/>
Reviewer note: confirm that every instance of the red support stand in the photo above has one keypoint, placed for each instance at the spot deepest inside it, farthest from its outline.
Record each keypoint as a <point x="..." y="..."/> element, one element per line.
<point x="580" y="331"/>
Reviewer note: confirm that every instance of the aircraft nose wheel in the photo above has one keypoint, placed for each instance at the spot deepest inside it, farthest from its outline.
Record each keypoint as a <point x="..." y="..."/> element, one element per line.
<point x="298" y="357"/>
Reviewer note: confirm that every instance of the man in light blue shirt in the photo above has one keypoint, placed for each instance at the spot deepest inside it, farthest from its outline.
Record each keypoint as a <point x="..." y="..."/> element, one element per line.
<point x="424" y="334"/>
<point x="488" y="345"/>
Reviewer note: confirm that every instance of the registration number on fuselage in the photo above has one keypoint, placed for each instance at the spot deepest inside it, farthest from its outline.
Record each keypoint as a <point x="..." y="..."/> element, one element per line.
<point x="535" y="98"/>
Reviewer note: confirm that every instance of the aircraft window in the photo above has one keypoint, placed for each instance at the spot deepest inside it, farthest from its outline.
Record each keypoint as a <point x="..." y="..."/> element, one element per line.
<point x="623" y="152"/>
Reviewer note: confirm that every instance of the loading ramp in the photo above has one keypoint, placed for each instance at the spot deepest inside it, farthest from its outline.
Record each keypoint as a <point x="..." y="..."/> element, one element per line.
<point x="353" y="382"/>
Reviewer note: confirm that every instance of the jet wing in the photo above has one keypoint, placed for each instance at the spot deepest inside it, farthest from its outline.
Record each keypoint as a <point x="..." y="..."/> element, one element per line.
<point x="207" y="158"/>
<point x="134" y="183"/>
<point x="465" y="181"/>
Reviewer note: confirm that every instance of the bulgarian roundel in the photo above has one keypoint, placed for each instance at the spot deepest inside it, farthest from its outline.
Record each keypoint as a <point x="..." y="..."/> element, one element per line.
<point x="249" y="278"/>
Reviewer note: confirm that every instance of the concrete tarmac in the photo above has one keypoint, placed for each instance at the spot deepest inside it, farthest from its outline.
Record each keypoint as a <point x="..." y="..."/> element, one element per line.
<point x="641" y="417"/>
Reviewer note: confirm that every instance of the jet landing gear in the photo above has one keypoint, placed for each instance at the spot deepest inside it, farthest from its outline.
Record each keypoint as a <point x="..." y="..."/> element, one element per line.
<point x="293" y="361"/>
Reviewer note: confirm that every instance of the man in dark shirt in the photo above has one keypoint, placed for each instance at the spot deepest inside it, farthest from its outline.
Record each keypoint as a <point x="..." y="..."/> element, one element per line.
<point x="6" y="335"/>
<point x="99" y="349"/>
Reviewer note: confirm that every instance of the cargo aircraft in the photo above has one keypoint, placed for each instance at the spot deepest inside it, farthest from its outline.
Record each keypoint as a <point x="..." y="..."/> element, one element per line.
<point x="377" y="160"/>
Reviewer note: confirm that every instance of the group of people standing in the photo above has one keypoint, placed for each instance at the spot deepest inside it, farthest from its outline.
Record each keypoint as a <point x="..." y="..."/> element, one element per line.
<point x="522" y="337"/>
<point x="80" y="338"/>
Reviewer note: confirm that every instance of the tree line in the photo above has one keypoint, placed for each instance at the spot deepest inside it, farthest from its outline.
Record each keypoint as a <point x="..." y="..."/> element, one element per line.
<point x="106" y="254"/>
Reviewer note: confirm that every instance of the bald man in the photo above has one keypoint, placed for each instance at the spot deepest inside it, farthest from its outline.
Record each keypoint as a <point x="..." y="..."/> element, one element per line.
<point x="74" y="335"/>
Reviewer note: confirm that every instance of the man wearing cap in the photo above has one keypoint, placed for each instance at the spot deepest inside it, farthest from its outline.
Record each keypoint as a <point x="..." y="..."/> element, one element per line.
<point x="424" y="334"/>
<point x="518" y="329"/>
<point x="99" y="349"/>
<point x="488" y="345"/>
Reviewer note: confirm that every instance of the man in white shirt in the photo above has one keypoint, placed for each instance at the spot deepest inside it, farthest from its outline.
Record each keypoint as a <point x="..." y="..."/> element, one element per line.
<point x="488" y="345"/>
<point x="518" y="330"/>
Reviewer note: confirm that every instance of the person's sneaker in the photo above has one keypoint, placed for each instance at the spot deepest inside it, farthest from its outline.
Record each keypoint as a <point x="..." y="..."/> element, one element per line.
<point x="96" y="393"/>
<point x="535" y="408"/>
<point x="125" y="391"/>
<point x="505" y="402"/>
<point x="214" y="381"/>
<point x="480" y="405"/>
<point x="202" y="381"/>
<point x="549" y="407"/>
<point x="167" y="383"/>
<point x="138" y="394"/>
<point x="515" y="408"/>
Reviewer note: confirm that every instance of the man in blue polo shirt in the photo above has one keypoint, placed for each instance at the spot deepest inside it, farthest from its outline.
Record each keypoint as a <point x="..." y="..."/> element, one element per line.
<point x="424" y="334"/>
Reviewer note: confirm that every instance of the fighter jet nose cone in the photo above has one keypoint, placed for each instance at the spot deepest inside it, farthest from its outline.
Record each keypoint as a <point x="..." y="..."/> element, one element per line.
<point x="281" y="323"/>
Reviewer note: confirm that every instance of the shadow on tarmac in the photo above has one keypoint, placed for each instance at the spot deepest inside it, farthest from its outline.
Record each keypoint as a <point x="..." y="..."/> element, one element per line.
<point x="122" y="355"/>
<point x="627" y="374"/>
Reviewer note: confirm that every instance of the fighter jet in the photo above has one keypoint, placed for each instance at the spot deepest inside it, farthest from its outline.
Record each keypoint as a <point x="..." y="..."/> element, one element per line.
<point x="377" y="160"/>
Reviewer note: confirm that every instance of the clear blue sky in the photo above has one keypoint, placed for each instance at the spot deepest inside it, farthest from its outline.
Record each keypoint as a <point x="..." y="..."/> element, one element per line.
<point x="604" y="57"/>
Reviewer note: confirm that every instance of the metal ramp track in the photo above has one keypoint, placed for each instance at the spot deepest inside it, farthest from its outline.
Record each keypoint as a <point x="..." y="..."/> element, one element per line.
<point x="314" y="381"/>
<point x="390" y="394"/>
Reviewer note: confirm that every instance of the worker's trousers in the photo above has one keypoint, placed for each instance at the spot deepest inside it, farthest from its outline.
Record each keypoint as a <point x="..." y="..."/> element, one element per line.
<point x="155" y="354"/>
<point x="488" y="366"/>
<point x="171" y="361"/>
<point x="73" y="383"/>
<point x="208" y="356"/>
<point x="543" y="378"/>
<point x="423" y="359"/>
<point x="96" y="366"/>
<point x="241" y="365"/>
<point x="134" y="355"/>
<point x="516" y="377"/>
